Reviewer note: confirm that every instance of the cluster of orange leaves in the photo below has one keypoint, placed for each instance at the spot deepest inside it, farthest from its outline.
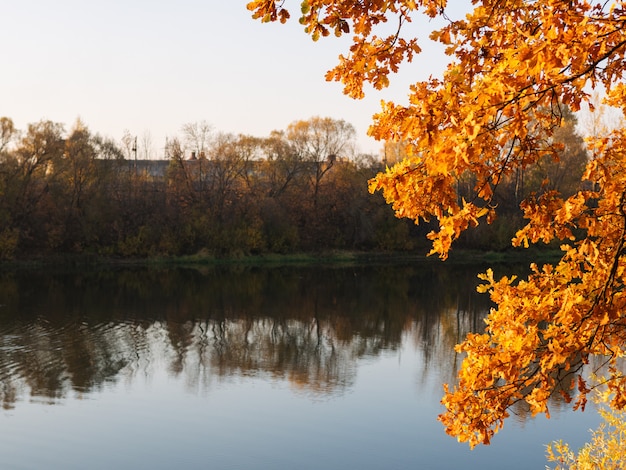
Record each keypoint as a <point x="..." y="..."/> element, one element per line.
<point x="513" y="65"/>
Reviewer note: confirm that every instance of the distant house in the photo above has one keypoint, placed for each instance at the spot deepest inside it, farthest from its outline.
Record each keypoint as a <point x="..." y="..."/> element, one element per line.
<point x="154" y="169"/>
<point x="201" y="169"/>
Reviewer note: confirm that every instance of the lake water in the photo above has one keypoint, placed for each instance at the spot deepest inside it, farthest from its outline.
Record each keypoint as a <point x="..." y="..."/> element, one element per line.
<point x="243" y="368"/>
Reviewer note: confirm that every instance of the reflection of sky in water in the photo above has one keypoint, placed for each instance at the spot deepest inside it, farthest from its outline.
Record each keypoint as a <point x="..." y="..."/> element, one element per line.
<point x="386" y="419"/>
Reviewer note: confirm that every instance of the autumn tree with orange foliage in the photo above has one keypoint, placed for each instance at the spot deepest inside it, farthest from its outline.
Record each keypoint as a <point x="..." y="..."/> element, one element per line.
<point x="514" y="66"/>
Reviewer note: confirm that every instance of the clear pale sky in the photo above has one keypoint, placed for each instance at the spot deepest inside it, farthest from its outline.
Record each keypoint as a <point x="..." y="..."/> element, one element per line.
<point x="152" y="66"/>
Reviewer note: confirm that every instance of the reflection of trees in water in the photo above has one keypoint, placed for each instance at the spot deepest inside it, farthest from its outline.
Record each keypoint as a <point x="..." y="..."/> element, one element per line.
<point x="448" y="309"/>
<point x="49" y="361"/>
<point x="71" y="333"/>
<point x="307" y="354"/>
<point x="460" y="310"/>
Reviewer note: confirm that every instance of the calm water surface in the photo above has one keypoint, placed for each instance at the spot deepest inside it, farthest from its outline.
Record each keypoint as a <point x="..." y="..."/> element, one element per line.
<point x="284" y="368"/>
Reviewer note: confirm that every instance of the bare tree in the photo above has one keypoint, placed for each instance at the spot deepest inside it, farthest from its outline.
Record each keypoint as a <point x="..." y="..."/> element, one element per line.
<point x="197" y="136"/>
<point x="147" y="146"/>
<point x="129" y="144"/>
<point x="7" y="132"/>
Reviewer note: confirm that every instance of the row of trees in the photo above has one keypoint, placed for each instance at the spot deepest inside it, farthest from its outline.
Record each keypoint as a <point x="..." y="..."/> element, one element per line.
<point x="300" y="189"/>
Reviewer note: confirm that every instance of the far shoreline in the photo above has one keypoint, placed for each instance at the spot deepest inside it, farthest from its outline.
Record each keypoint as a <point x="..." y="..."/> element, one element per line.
<point x="330" y="258"/>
